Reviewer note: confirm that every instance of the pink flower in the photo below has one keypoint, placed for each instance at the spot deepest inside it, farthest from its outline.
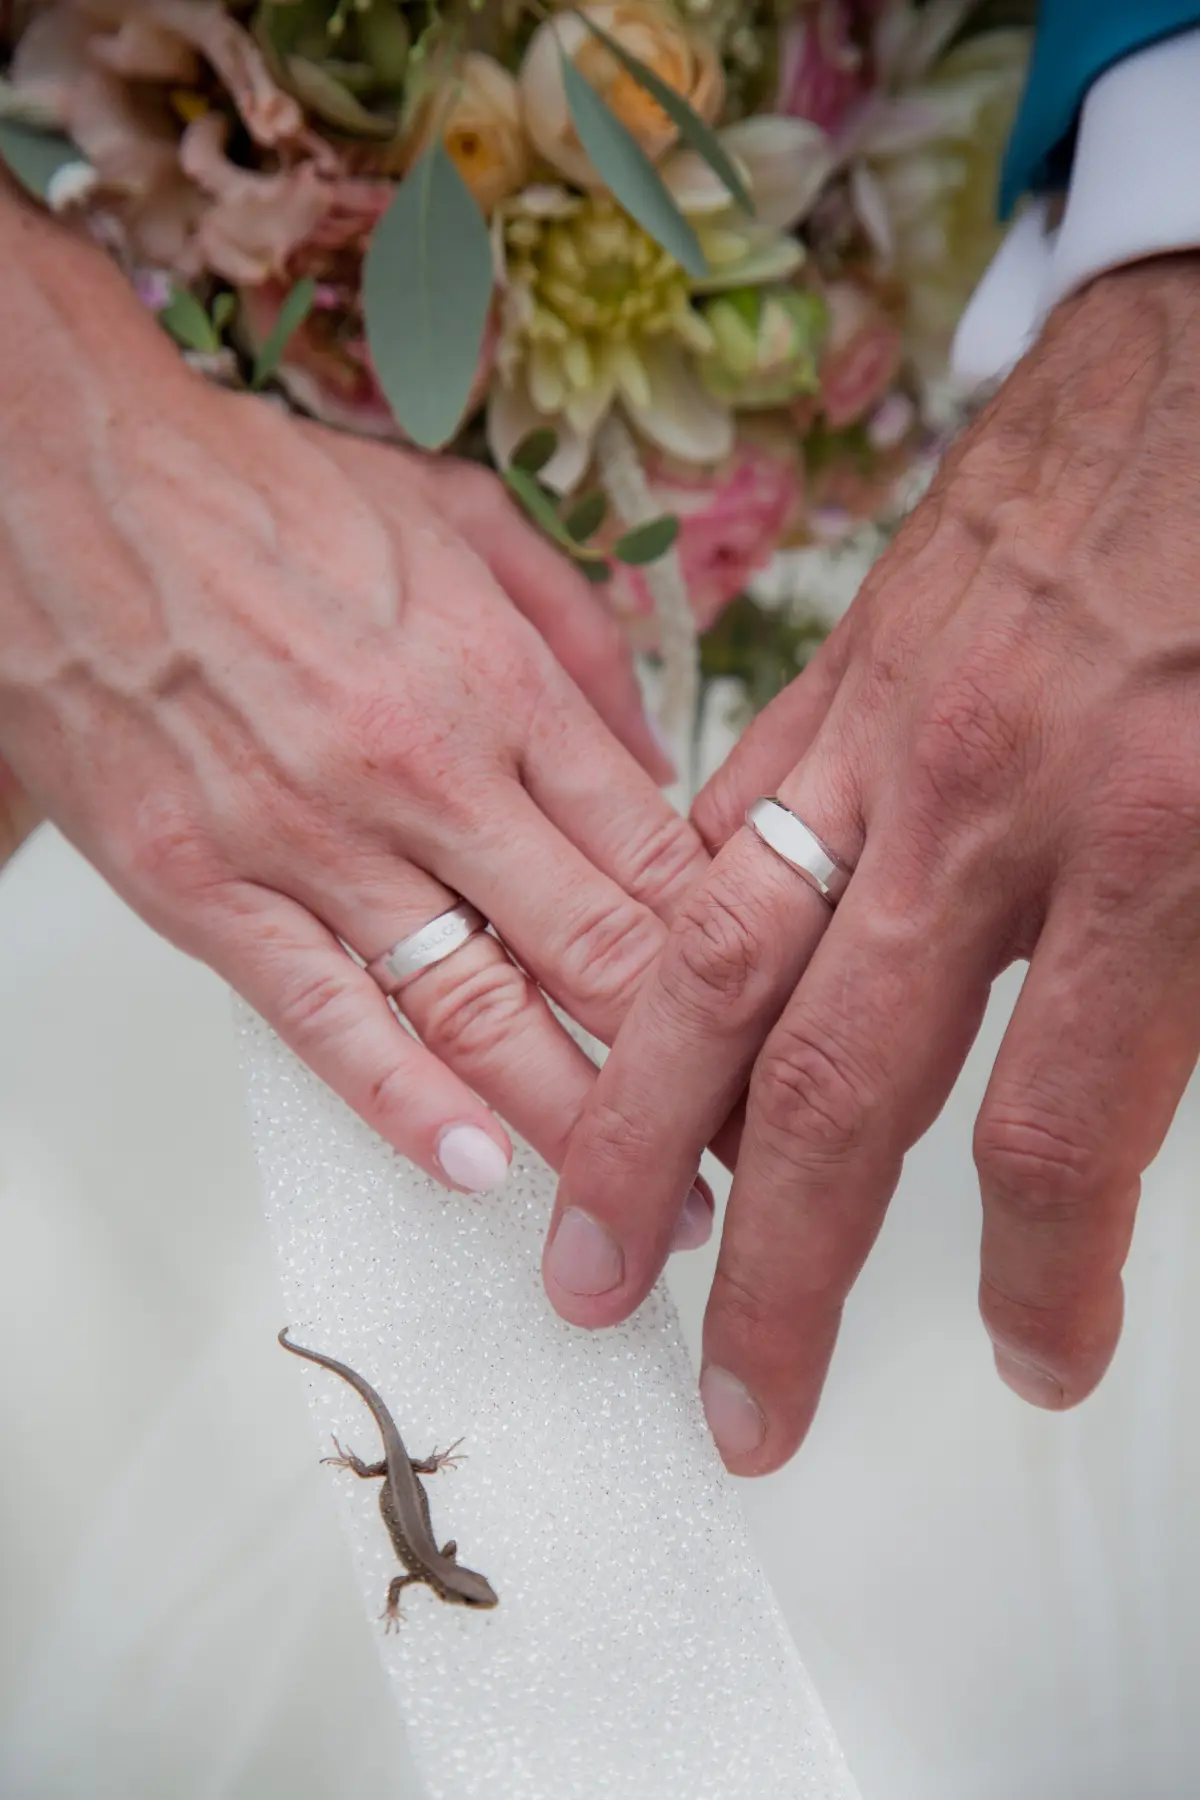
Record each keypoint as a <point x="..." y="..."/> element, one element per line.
<point x="732" y="519"/>
<point x="822" y="71"/>
<point x="854" y="484"/>
<point x="326" y="369"/>
<point x="862" y="355"/>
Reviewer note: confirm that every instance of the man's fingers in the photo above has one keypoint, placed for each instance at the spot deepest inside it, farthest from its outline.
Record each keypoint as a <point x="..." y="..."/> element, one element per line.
<point x="772" y="745"/>
<point x="734" y="953"/>
<point x="1103" y="1041"/>
<point x="296" y="974"/>
<point x="857" y="1067"/>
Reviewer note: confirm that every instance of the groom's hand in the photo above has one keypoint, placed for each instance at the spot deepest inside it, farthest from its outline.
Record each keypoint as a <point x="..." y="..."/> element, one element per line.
<point x="1004" y="736"/>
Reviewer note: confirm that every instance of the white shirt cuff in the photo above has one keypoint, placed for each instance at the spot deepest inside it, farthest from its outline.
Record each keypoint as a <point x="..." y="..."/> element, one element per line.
<point x="1134" y="192"/>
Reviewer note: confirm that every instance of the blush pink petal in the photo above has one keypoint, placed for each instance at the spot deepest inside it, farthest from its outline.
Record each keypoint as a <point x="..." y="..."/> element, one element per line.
<point x="255" y="222"/>
<point x="732" y="520"/>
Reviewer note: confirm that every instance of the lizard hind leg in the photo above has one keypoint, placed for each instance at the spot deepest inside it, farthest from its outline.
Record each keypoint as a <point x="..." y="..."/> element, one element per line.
<point x="346" y="1459"/>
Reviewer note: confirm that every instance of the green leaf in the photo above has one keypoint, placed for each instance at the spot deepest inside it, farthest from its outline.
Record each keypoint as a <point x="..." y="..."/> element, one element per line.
<point x="35" y="157"/>
<point x="291" y="316"/>
<point x="188" y="323"/>
<point x="427" y="290"/>
<point x="534" y="452"/>
<point x="223" y="309"/>
<point x="691" y="127"/>
<point x="587" y="516"/>
<point x="646" y="543"/>
<point x="540" y="507"/>
<point x="628" y="172"/>
<point x="595" y="572"/>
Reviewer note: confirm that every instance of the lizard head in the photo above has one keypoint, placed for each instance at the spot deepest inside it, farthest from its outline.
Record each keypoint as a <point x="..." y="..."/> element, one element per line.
<point x="473" y="1590"/>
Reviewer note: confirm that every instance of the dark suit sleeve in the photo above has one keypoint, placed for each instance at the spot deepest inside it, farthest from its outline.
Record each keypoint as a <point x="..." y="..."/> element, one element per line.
<point x="1076" y="41"/>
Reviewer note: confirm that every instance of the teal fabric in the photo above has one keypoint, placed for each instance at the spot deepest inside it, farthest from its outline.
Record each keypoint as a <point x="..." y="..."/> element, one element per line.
<point x="1076" y="41"/>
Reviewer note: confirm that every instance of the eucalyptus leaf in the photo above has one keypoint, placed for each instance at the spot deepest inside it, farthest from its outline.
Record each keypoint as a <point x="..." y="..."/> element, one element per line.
<point x="628" y="173"/>
<point x="540" y="507"/>
<point x="535" y="451"/>
<point x="223" y="309"/>
<point x="313" y="84"/>
<point x="188" y="323"/>
<point x="587" y="516"/>
<point x="292" y="314"/>
<point x="35" y="157"/>
<point x="646" y="543"/>
<point x="427" y="291"/>
<point x="691" y="127"/>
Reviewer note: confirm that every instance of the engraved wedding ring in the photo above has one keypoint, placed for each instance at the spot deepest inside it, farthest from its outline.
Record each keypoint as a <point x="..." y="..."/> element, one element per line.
<point x="800" y="848"/>
<point x="422" y="949"/>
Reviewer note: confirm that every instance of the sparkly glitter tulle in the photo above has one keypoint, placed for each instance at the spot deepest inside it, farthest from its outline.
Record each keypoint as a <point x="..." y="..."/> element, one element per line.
<point x="637" y="1651"/>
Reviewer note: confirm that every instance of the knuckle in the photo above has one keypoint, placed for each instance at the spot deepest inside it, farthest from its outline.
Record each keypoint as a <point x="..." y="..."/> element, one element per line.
<point x="971" y="745"/>
<point x="717" y="948"/>
<point x="661" y="855"/>
<point x="809" y="1096"/>
<point x="1041" y="1164"/>
<point x="608" y="953"/>
<point x="468" y="1018"/>
<point x="748" y="1308"/>
<point x="169" y="854"/>
<point x="616" y="1134"/>
<point x="315" y="1003"/>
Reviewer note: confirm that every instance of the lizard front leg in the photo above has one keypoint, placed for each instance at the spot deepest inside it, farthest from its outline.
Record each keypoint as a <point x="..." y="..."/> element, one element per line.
<point x="391" y="1614"/>
<point x="346" y="1459"/>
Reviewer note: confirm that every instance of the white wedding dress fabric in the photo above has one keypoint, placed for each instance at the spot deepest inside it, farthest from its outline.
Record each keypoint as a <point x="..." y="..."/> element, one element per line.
<point x="990" y="1601"/>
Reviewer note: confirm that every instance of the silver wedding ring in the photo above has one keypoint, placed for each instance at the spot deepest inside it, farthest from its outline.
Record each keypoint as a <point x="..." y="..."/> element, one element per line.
<point x="800" y="847"/>
<point x="422" y="949"/>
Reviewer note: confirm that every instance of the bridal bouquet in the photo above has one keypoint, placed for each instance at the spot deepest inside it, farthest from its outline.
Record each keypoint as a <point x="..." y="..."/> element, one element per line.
<point x="684" y="271"/>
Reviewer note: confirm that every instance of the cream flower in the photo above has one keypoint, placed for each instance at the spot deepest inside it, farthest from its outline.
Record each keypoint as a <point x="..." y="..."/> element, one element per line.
<point x="685" y="61"/>
<point x="594" y="314"/>
<point x="484" y="132"/>
<point x="923" y="159"/>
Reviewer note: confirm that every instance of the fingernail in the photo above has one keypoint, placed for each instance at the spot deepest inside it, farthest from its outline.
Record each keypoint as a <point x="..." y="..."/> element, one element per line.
<point x="694" y="1224"/>
<point x="733" y="1415"/>
<point x="1025" y="1378"/>
<point x="471" y="1158"/>
<point x="584" y="1257"/>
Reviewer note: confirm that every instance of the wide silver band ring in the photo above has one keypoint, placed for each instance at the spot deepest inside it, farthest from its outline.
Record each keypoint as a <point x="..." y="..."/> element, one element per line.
<point x="800" y="847"/>
<point x="422" y="949"/>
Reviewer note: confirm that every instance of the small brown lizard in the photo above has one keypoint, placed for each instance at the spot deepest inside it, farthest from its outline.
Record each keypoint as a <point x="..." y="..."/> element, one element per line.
<point x="404" y="1504"/>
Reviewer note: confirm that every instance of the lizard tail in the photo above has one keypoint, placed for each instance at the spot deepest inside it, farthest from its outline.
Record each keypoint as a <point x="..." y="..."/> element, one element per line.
<point x="361" y="1386"/>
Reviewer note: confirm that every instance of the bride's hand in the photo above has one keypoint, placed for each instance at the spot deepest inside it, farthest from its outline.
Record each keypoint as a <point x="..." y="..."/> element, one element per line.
<point x="1004" y="736"/>
<point x="280" y="702"/>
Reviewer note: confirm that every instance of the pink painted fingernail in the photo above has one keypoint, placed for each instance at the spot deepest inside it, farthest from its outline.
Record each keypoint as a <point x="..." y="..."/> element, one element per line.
<point x="472" y="1159"/>
<point x="733" y="1415"/>
<point x="584" y="1257"/>
<point x="1036" y="1385"/>
<point x="695" y="1222"/>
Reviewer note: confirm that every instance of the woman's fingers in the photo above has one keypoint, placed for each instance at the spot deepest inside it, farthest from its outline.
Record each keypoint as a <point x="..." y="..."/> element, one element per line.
<point x="330" y="1012"/>
<point x="567" y="612"/>
<point x="607" y="807"/>
<point x="1104" y="1038"/>
<point x="475" y="1010"/>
